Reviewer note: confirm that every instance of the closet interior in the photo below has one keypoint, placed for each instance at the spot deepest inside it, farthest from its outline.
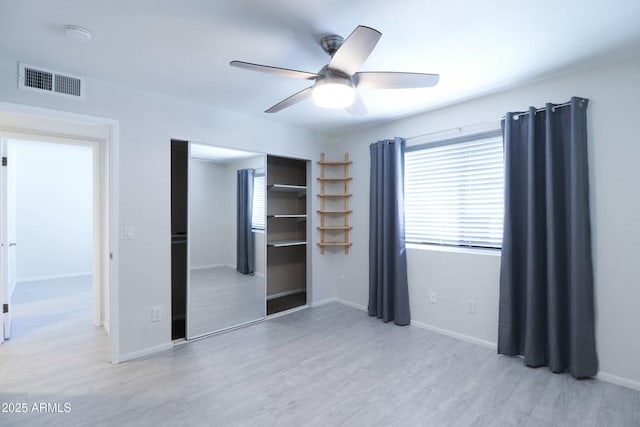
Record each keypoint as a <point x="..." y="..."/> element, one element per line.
<point x="286" y="233"/>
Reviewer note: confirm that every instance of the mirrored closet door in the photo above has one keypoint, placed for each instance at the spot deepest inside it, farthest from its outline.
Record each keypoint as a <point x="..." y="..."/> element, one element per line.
<point x="226" y="274"/>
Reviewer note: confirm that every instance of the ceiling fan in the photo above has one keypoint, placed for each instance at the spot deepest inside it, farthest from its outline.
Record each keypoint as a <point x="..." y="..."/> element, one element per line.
<point x="336" y="83"/>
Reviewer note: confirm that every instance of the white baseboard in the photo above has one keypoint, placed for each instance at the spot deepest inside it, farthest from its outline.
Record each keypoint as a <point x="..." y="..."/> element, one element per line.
<point x="457" y="335"/>
<point x="323" y="302"/>
<point x="145" y="352"/>
<point x="285" y="293"/>
<point x="613" y="379"/>
<point x="351" y="304"/>
<point x="54" y="277"/>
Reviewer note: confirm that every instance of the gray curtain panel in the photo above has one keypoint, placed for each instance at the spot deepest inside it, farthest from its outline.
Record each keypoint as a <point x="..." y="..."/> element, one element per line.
<point x="546" y="279"/>
<point x="388" y="288"/>
<point x="245" y="254"/>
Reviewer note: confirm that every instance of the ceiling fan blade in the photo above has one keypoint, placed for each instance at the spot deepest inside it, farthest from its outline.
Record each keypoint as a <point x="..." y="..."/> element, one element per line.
<point x="394" y="80"/>
<point x="293" y="99"/>
<point x="355" y="50"/>
<point x="358" y="108"/>
<point x="274" y="70"/>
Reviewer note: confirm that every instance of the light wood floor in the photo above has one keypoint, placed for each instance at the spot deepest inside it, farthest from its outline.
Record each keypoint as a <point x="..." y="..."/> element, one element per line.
<point x="326" y="366"/>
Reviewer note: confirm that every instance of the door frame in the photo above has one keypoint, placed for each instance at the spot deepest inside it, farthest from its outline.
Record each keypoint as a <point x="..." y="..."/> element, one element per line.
<point x="99" y="282"/>
<point x="57" y="126"/>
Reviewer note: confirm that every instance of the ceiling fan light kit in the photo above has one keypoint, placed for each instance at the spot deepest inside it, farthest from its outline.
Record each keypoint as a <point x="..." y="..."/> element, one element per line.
<point x="333" y="92"/>
<point x="336" y="83"/>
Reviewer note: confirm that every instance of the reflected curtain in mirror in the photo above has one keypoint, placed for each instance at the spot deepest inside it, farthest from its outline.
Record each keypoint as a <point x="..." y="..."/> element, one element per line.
<point x="546" y="280"/>
<point x="245" y="259"/>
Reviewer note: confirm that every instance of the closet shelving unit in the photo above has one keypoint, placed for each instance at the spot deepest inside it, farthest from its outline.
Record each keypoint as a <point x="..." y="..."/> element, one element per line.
<point x="334" y="205"/>
<point x="286" y="233"/>
<point x="299" y="191"/>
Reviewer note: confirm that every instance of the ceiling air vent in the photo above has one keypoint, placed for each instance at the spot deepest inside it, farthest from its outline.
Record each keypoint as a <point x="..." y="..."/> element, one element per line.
<point x="44" y="80"/>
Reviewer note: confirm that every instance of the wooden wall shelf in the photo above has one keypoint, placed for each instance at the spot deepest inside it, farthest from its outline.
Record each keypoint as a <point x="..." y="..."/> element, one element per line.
<point x="335" y="163"/>
<point x="335" y="227"/>
<point x="334" y="202"/>
<point x="346" y="178"/>
<point x="334" y="212"/>
<point x="321" y="244"/>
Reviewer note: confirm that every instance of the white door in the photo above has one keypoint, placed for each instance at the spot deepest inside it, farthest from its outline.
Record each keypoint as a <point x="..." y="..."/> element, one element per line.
<point x="8" y="239"/>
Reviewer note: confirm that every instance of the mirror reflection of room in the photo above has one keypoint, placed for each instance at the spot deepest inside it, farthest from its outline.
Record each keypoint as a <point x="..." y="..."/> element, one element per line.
<point x="226" y="237"/>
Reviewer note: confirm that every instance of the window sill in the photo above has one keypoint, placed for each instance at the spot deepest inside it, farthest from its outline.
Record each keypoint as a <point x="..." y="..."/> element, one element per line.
<point x="455" y="249"/>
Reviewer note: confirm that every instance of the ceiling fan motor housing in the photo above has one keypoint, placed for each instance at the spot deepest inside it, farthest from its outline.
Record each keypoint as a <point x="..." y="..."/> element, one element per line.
<point x="331" y="44"/>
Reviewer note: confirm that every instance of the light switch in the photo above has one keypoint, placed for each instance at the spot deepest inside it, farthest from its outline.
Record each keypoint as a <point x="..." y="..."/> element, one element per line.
<point x="129" y="232"/>
<point x="156" y="313"/>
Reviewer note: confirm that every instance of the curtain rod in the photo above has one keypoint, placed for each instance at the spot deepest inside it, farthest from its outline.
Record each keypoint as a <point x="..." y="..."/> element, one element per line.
<point x="524" y="113"/>
<point x="461" y="128"/>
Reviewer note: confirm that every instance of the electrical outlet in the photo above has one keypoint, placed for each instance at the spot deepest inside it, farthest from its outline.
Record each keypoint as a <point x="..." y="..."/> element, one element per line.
<point x="471" y="306"/>
<point x="156" y="313"/>
<point x="433" y="298"/>
<point x="342" y="277"/>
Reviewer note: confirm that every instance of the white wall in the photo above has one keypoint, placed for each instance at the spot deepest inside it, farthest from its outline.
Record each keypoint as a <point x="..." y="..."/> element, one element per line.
<point x="53" y="188"/>
<point x="147" y="122"/>
<point x="614" y="149"/>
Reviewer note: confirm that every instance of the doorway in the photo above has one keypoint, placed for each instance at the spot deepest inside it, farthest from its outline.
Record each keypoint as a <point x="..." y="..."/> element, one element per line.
<point x="51" y="237"/>
<point x="24" y="122"/>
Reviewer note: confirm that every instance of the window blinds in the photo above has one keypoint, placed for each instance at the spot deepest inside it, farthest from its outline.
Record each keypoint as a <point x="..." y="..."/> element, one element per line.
<point x="257" y="216"/>
<point x="454" y="192"/>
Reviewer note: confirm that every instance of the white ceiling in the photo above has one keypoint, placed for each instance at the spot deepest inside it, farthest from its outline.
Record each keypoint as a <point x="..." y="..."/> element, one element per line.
<point x="183" y="48"/>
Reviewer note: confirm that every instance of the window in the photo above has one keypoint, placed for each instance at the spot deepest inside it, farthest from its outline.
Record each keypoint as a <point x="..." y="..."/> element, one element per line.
<point x="257" y="216"/>
<point x="454" y="192"/>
